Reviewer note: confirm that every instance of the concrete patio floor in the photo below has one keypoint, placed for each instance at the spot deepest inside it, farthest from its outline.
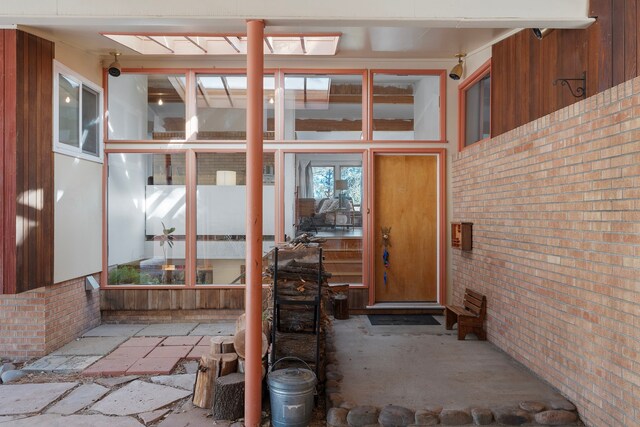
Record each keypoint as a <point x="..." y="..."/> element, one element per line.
<point x="426" y="366"/>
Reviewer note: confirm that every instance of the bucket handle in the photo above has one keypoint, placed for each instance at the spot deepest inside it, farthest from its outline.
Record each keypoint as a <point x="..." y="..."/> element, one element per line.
<point x="292" y="358"/>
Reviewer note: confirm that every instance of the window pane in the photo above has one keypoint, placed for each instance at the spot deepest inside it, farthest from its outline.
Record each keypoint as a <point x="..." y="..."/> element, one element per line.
<point x="323" y="107"/>
<point x="406" y="107"/>
<point x="485" y="84"/>
<point x="68" y="111"/>
<point x="478" y="111"/>
<point x="322" y="181"/>
<point x="147" y="106"/>
<point x="222" y="106"/>
<point x="221" y="216"/>
<point x="353" y="176"/>
<point x="317" y="203"/>
<point x="146" y="222"/>
<point x="90" y="121"/>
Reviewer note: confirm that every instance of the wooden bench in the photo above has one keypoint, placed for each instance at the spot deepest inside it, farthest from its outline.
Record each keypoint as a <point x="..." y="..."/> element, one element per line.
<point x="470" y="316"/>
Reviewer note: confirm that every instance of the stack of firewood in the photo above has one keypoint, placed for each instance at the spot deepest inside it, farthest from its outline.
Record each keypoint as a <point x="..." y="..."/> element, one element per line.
<point x="298" y="276"/>
<point x="219" y="382"/>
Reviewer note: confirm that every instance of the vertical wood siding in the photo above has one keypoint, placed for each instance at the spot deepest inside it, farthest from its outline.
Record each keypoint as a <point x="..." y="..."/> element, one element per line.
<point x="27" y="161"/>
<point x="524" y="68"/>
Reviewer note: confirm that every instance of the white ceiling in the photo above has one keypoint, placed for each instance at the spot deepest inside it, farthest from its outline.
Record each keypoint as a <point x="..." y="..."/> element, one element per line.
<point x="380" y="29"/>
<point x="355" y="42"/>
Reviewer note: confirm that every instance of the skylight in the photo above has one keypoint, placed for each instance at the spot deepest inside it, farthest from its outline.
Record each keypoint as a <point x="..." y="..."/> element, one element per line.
<point x="186" y="44"/>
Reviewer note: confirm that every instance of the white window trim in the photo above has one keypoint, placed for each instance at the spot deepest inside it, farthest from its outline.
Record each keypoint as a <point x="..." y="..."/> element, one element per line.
<point x="66" y="149"/>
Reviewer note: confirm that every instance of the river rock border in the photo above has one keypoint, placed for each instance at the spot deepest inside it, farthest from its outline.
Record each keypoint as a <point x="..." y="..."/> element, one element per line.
<point x="341" y="413"/>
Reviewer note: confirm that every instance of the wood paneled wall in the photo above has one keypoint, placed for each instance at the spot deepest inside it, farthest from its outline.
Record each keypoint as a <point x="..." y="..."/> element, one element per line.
<point x="171" y="299"/>
<point x="524" y="68"/>
<point x="27" y="161"/>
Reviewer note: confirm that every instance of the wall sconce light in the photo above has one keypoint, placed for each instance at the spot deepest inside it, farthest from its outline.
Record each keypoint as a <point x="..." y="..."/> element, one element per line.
<point x="458" y="69"/>
<point x="225" y="178"/>
<point x="541" y="33"/>
<point x="580" y="91"/>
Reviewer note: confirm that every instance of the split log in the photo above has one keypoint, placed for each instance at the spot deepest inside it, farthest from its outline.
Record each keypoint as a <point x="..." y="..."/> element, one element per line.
<point x="222" y="345"/>
<point x="210" y="368"/>
<point x="228" y="401"/>
<point x="203" y="388"/>
<point x="239" y="344"/>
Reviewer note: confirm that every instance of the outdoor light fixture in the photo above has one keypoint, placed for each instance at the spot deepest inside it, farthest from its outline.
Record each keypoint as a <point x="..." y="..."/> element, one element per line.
<point x="115" y="69"/>
<point x="541" y="33"/>
<point x="458" y="69"/>
<point x="160" y="101"/>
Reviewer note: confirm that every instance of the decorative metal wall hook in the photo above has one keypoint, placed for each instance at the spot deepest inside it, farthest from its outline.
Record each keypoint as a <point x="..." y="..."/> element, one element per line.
<point x="580" y="91"/>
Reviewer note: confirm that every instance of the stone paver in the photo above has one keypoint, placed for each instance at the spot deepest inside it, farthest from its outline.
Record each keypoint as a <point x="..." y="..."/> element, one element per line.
<point x="46" y="363"/>
<point x="170" y="351"/>
<point x="198" y="351"/>
<point x="183" y="381"/>
<point x="108" y="330"/>
<point x="109" y="367"/>
<point x="195" y="417"/>
<point x="167" y="329"/>
<point x="90" y="346"/>
<point x="79" y="398"/>
<point x="215" y="329"/>
<point x="138" y="397"/>
<point x="191" y="367"/>
<point x="115" y="381"/>
<point x="152" y="417"/>
<point x="53" y="420"/>
<point x="11" y="376"/>
<point x="29" y="398"/>
<point x="76" y="364"/>
<point x="142" y="342"/>
<point x="7" y="418"/>
<point x="190" y="340"/>
<point x="153" y="365"/>
<point x="130" y="352"/>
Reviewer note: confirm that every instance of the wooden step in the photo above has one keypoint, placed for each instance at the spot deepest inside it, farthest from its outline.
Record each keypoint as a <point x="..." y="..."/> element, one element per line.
<point x="337" y="266"/>
<point x="342" y="254"/>
<point x="351" y="278"/>
<point x="342" y="243"/>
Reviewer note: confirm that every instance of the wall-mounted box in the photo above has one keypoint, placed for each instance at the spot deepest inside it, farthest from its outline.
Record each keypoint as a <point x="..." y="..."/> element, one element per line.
<point x="461" y="235"/>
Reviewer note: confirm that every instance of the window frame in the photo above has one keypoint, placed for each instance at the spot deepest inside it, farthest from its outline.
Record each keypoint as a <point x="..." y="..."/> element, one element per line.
<point x="469" y="82"/>
<point x="66" y="149"/>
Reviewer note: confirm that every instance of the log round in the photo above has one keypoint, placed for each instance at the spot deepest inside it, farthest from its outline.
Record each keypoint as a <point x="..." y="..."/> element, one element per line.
<point x="238" y="343"/>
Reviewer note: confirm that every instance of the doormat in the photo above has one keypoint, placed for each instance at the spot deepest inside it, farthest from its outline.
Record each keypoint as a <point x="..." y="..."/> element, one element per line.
<point x="401" y="319"/>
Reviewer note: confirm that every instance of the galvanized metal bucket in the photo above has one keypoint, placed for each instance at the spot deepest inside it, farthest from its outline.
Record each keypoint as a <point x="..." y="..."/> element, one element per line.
<point x="291" y="393"/>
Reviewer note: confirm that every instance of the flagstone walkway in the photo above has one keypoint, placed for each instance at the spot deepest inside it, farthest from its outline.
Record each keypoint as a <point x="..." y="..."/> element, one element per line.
<point x="115" y="375"/>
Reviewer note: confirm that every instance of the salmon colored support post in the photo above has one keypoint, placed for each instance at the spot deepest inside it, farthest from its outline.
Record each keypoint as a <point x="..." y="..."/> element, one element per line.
<point x="253" y="292"/>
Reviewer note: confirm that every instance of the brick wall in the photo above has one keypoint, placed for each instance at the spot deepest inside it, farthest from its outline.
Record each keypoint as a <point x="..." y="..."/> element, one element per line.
<point x="37" y="322"/>
<point x="555" y="206"/>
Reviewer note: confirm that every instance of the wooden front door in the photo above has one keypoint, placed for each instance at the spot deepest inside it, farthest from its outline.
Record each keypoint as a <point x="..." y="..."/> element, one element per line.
<point x="406" y="200"/>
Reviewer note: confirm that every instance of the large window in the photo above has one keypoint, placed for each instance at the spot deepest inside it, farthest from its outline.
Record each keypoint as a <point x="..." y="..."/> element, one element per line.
<point x="77" y="115"/>
<point x="408" y="107"/>
<point x="323" y="195"/>
<point x="146" y="219"/>
<point x="323" y="107"/>
<point x="221" y="216"/>
<point x="147" y="106"/>
<point x="475" y="107"/>
<point x="221" y="101"/>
